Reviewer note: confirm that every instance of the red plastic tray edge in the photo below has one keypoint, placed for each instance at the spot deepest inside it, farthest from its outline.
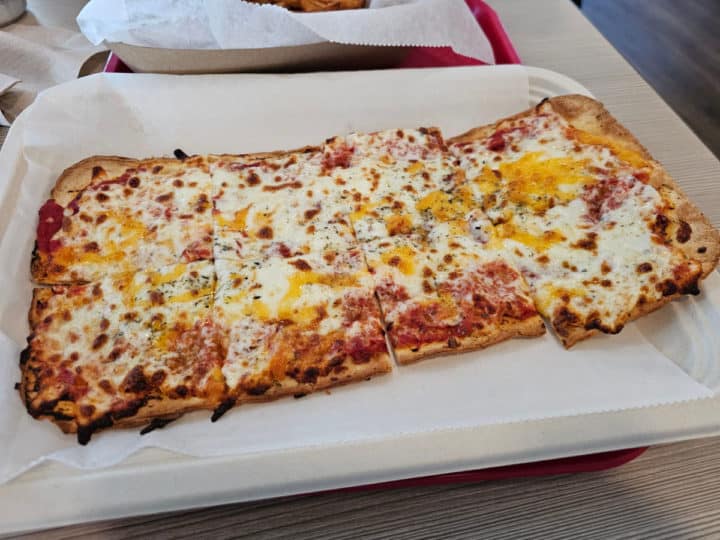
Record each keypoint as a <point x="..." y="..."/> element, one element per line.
<point x="504" y="53"/>
<point x="572" y="465"/>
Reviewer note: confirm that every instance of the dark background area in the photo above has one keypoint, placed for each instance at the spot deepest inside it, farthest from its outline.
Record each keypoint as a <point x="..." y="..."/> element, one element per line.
<point x="675" y="46"/>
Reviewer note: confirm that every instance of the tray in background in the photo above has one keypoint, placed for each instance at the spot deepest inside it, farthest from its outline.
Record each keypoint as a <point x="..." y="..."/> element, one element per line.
<point x="334" y="55"/>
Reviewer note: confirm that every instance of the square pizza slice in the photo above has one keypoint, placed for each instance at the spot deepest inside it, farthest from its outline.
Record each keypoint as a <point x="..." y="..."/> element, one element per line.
<point x="418" y="320"/>
<point x="295" y="325"/>
<point x="114" y="215"/>
<point x="270" y="205"/>
<point x="125" y="350"/>
<point x="384" y="175"/>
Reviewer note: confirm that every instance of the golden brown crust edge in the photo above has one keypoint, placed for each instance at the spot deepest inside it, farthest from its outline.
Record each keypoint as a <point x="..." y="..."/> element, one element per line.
<point x="575" y="335"/>
<point x="171" y="409"/>
<point x="83" y="173"/>
<point x="532" y="327"/>
<point x="380" y="365"/>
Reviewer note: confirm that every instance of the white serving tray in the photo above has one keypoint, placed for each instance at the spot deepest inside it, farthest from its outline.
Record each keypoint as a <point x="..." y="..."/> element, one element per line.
<point x="154" y="480"/>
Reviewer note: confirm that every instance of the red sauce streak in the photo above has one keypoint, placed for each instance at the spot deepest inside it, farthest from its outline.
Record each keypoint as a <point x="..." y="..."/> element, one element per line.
<point x="362" y="348"/>
<point x="496" y="142"/>
<point x="604" y="196"/>
<point x="417" y="325"/>
<point x="197" y="251"/>
<point x="51" y="215"/>
<point x="105" y="184"/>
<point x="338" y="157"/>
<point x="50" y="221"/>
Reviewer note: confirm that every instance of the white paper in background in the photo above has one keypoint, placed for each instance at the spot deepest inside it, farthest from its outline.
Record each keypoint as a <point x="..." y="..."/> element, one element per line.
<point x="234" y="24"/>
<point x="39" y="57"/>
<point x="141" y="115"/>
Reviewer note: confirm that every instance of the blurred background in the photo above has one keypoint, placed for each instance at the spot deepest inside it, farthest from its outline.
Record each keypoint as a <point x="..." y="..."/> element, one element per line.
<point x="675" y="45"/>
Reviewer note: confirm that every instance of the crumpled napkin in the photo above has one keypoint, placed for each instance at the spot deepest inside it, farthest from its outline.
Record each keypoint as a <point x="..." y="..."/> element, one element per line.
<point x="6" y="83"/>
<point x="33" y="58"/>
<point x="234" y="24"/>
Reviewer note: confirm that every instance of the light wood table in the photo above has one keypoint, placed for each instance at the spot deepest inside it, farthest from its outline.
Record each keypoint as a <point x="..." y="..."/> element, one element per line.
<point x="670" y="492"/>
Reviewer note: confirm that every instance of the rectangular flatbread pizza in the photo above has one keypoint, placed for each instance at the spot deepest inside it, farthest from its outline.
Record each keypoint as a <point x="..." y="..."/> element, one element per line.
<point x="204" y="282"/>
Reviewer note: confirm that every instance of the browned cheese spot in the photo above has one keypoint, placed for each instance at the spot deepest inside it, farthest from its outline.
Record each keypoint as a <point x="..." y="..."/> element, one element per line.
<point x="157" y="298"/>
<point x="301" y="264"/>
<point x="164" y="197"/>
<point x="87" y="410"/>
<point x="588" y="243"/>
<point x="91" y="247"/>
<point x="684" y="232"/>
<point x="99" y="341"/>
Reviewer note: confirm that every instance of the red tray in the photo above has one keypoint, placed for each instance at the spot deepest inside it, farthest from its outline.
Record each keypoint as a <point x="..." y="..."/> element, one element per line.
<point x="488" y="20"/>
<point x="428" y="56"/>
<point x="504" y="53"/>
<point x="571" y="465"/>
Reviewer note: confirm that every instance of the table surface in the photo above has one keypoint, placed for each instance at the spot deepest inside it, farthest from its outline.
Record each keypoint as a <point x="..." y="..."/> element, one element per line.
<point x="669" y="492"/>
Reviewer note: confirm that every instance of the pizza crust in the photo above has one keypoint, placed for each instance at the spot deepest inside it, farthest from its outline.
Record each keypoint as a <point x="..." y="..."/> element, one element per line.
<point x="98" y="169"/>
<point x="84" y="173"/>
<point x="379" y="365"/>
<point x="575" y="335"/>
<point x="531" y="327"/>
<point x="171" y="409"/>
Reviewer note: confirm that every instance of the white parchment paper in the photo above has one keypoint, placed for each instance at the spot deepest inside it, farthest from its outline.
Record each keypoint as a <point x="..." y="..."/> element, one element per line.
<point x="234" y="24"/>
<point x="671" y="356"/>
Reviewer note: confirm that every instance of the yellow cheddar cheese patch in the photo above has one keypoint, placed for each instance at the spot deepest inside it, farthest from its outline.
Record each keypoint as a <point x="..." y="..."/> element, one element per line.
<point x="623" y="153"/>
<point x="159" y="278"/>
<point x="536" y="242"/>
<point x="238" y="222"/>
<point x="296" y="282"/>
<point x="402" y="258"/>
<point x="414" y="168"/>
<point x="398" y="224"/>
<point x="536" y="182"/>
<point x="446" y="207"/>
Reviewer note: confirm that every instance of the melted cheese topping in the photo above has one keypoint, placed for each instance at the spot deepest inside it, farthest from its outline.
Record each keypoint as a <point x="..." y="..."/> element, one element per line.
<point x="149" y="220"/>
<point x="300" y="295"/>
<point x="569" y="211"/>
<point x="100" y="333"/>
